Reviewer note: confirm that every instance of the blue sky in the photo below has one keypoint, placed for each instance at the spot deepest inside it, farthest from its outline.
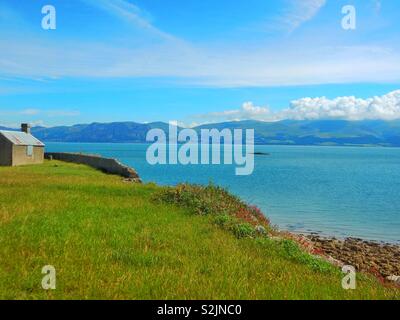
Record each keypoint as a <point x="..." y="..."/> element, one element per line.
<point x="198" y="61"/>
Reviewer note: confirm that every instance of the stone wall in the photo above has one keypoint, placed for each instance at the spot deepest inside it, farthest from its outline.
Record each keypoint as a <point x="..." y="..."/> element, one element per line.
<point x="5" y="152"/>
<point x="107" y="165"/>
<point x="21" y="157"/>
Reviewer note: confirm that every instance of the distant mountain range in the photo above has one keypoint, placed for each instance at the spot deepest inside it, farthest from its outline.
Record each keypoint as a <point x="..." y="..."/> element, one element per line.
<point x="288" y="132"/>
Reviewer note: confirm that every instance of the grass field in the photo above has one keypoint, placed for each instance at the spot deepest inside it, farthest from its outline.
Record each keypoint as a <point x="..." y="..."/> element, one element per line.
<point x="109" y="239"/>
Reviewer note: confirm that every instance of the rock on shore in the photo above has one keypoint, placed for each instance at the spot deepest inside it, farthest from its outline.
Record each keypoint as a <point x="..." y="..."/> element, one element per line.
<point x="382" y="259"/>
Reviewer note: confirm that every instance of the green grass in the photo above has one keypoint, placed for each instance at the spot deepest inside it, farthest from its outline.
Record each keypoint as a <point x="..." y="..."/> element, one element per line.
<point x="110" y="240"/>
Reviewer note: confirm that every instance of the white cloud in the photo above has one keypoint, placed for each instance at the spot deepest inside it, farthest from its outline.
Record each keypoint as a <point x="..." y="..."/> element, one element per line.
<point x="36" y="123"/>
<point x="17" y="125"/>
<point x="129" y="12"/>
<point x="377" y="5"/>
<point x="386" y="107"/>
<point x="246" y="112"/>
<point x="30" y="112"/>
<point x="25" y="112"/>
<point x="299" y="12"/>
<point x="215" y="67"/>
<point x="301" y="62"/>
<point x="35" y="112"/>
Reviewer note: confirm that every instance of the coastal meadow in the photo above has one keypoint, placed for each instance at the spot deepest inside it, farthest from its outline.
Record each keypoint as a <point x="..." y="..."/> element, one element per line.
<point x="109" y="239"/>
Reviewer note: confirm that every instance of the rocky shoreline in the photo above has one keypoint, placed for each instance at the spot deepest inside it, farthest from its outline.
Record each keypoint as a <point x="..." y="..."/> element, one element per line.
<point x="381" y="259"/>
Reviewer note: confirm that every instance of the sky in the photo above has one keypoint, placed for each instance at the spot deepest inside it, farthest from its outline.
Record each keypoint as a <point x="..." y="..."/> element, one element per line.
<point x="198" y="61"/>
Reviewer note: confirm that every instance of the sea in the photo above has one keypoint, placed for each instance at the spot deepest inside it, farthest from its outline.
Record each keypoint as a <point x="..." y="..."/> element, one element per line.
<point x="331" y="191"/>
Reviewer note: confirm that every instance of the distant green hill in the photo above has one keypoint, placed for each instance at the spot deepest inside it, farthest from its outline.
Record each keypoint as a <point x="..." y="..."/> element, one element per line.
<point x="324" y="132"/>
<point x="288" y="132"/>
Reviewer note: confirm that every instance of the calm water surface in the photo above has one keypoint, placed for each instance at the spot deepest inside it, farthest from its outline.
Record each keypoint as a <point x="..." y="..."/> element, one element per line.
<point x="336" y="191"/>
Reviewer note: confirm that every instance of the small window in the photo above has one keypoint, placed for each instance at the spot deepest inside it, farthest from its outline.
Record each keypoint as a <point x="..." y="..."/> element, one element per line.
<point x="29" y="151"/>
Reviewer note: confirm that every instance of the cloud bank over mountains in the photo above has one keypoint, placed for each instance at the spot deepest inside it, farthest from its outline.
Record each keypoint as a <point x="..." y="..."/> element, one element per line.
<point x="386" y="107"/>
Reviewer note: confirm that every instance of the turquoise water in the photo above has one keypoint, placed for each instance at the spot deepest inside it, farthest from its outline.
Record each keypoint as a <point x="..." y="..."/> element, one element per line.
<point x="336" y="191"/>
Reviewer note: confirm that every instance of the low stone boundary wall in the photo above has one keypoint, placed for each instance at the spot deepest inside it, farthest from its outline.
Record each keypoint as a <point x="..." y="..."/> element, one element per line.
<point x="107" y="165"/>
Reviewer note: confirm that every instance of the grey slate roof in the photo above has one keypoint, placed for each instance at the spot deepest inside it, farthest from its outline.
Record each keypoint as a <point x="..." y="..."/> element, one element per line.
<point x="21" y="138"/>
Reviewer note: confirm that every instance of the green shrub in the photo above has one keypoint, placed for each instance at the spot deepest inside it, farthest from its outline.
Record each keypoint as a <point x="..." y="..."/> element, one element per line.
<point x="223" y="220"/>
<point x="204" y="200"/>
<point x="230" y="212"/>
<point x="243" y="230"/>
<point x="291" y="250"/>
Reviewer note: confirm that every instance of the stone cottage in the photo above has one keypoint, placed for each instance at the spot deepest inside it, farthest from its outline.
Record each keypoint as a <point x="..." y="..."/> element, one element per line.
<point x="20" y="148"/>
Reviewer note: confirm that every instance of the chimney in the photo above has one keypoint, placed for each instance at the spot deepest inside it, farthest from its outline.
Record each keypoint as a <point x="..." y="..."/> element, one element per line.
<point x="25" y="127"/>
